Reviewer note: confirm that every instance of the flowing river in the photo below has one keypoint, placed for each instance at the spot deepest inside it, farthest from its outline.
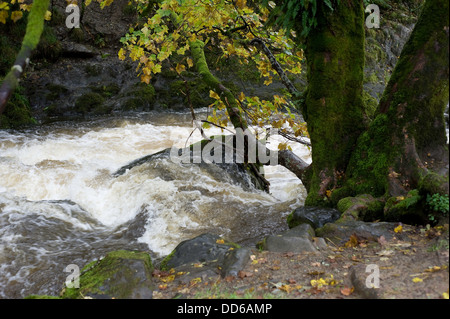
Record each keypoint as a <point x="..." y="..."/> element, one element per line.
<point x="61" y="203"/>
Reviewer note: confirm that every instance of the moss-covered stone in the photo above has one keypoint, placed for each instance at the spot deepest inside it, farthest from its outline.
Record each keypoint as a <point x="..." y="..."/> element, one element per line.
<point x="17" y="113"/>
<point x="363" y="207"/>
<point x="408" y="209"/>
<point x="49" y="47"/>
<point x="120" y="274"/>
<point x="56" y="90"/>
<point x="91" y="102"/>
<point x="140" y="97"/>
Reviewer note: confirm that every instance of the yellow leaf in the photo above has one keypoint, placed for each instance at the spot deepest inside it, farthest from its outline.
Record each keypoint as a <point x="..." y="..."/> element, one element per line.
<point x="220" y="241"/>
<point x="417" y="279"/>
<point x="445" y="295"/>
<point x="282" y="146"/>
<point x="48" y="15"/>
<point x="268" y="81"/>
<point x="398" y="229"/>
<point x="241" y="3"/>
<point x="180" y="68"/>
<point x="121" y="54"/>
<point x="190" y="62"/>
<point x="168" y="278"/>
<point x="352" y="242"/>
<point x="196" y="281"/>
<point x="3" y="16"/>
<point x="146" y="78"/>
<point x="16" y="15"/>
<point x="214" y="95"/>
<point x="156" y="68"/>
<point x="241" y="96"/>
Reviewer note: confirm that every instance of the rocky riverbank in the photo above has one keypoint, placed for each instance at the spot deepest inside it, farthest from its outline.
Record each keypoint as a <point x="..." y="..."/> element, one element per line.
<point x="353" y="260"/>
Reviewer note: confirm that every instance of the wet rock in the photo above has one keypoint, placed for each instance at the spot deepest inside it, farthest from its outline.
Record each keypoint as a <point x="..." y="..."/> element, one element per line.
<point x="201" y="249"/>
<point x="362" y="282"/>
<point x="207" y="255"/>
<point x="120" y="274"/>
<point x="340" y="233"/>
<point x="298" y="239"/>
<point x="315" y="216"/>
<point x="78" y="50"/>
<point x="363" y="207"/>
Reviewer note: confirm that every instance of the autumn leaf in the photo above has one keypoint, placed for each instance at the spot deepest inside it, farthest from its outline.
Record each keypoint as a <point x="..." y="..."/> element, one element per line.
<point x="352" y="242"/>
<point x="347" y="291"/>
<point x="168" y="278"/>
<point x="417" y="279"/>
<point x="318" y="283"/>
<point x="16" y="15"/>
<point x="241" y="3"/>
<point x="195" y="281"/>
<point x="121" y="54"/>
<point x="398" y="229"/>
<point x="214" y="95"/>
<point x="189" y="62"/>
<point x="48" y="15"/>
<point x="180" y="68"/>
<point x="242" y="274"/>
<point x="220" y="241"/>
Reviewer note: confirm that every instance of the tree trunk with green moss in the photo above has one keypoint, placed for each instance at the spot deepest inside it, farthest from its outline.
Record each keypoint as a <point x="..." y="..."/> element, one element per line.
<point x="333" y="108"/>
<point x="405" y="151"/>
<point x="33" y="33"/>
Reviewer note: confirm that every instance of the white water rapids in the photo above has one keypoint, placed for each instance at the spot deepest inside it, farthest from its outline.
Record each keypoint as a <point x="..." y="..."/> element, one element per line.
<point x="60" y="203"/>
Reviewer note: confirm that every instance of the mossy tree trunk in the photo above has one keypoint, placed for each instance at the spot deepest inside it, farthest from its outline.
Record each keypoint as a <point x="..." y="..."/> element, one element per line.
<point x="333" y="108"/>
<point x="405" y="148"/>
<point x="35" y="26"/>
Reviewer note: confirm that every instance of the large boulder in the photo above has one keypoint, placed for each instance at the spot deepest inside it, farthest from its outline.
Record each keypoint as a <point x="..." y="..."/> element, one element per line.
<point x="341" y="232"/>
<point x="316" y="217"/>
<point x="120" y="274"/>
<point x="296" y="240"/>
<point x="209" y="255"/>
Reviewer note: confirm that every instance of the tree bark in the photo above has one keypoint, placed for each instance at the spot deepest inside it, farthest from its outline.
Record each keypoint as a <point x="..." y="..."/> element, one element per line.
<point x="405" y="147"/>
<point x="333" y="108"/>
<point x="35" y="25"/>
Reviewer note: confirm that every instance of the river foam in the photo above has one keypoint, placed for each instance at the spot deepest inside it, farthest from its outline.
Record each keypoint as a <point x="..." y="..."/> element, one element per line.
<point x="60" y="202"/>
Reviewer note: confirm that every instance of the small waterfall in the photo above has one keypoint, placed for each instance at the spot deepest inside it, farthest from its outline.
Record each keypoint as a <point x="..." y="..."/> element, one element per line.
<point x="61" y="204"/>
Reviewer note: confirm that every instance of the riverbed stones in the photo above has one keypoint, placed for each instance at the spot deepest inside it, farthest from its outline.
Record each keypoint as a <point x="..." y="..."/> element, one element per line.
<point x="120" y="274"/>
<point x="207" y="255"/>
<point x="296" y="240"/>
<point x="315" y="216"/>
<point x="339" y="233"/>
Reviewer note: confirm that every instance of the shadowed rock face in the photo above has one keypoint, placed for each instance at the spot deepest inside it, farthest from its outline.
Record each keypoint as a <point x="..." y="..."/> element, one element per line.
<point x="316" y="217"/>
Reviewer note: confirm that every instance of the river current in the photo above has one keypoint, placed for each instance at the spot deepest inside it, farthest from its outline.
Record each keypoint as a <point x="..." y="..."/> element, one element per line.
<point x="61" y="203"/>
